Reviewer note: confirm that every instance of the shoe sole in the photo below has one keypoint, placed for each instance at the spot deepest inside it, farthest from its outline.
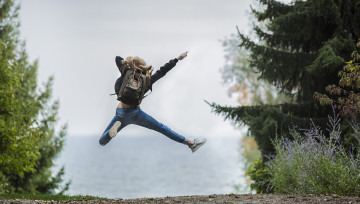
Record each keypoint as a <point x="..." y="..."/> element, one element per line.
<point x="114" y="129"/>
<point x="194" y="150"/>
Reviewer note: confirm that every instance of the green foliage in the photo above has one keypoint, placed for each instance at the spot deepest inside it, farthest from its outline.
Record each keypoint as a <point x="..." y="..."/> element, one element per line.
<point x="250" y="90"/>
<point x="28" y="143"/>
<point x="18" y="137"/>
<point x="267" y="122"/>
<point x="260" y="175"/>
<point x="345" y="96"/>
<point x="244" y="79"/>
<point x="4" y="184"/>
<point x="299" y="51"/>
<point x="316" y="163"/>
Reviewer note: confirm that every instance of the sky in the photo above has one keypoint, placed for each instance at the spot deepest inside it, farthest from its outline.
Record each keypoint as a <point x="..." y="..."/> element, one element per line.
<point x="77" y="41"/>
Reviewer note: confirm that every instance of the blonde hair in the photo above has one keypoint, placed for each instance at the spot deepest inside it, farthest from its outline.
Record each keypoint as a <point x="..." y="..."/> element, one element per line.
<point x="140" y="64"/>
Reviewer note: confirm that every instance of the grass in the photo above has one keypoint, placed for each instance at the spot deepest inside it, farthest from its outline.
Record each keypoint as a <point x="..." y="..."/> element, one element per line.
<point x="49" y="197"/>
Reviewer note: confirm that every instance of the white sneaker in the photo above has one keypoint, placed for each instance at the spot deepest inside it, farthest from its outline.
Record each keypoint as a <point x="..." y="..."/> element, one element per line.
<point x="198" y="142"/>
<point x="114" y="129"/>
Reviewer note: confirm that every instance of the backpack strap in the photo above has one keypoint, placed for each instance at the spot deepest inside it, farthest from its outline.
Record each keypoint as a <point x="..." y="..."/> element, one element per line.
<point x="124" y="68"/>
<point x="148" y="93"/>
<point x="148" y="77"/>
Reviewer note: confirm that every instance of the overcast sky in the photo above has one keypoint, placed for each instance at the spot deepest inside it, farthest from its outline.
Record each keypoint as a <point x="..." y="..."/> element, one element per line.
<point x="77" y="41"/>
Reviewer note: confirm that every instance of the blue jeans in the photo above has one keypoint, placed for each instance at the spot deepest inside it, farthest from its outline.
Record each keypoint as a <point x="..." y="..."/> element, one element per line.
<point x="136" y="116"/>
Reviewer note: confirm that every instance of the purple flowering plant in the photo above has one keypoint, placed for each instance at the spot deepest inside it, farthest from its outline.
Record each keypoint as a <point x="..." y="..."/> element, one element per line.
<point x="316" y="162"/>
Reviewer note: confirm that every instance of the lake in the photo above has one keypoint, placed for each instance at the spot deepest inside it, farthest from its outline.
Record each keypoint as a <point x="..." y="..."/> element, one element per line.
<point x="150" y="166"/>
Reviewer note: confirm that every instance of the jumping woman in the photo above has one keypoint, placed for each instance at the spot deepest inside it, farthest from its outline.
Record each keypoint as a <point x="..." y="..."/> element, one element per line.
<point x="128" y="111"/>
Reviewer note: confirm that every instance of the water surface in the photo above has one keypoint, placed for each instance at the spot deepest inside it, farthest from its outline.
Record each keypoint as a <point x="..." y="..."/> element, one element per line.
<point x="150" y="166"/>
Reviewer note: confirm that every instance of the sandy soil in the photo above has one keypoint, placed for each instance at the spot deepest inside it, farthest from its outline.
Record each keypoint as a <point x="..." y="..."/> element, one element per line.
<point x="226" y="199"/>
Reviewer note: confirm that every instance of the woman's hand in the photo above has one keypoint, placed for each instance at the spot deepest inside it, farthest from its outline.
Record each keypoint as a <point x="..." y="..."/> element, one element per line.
<point x="182" y="56"/>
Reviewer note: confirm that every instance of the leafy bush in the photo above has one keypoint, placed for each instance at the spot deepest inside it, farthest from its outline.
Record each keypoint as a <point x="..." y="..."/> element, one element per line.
<point x="317" y="163"/>
<point x="4" y="184"/>
<point x="345" y="97"/>
<point x="260" y="175"/>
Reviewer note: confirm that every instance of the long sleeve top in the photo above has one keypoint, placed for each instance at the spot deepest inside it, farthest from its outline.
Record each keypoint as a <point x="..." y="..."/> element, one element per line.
<point x="154" y="77"/>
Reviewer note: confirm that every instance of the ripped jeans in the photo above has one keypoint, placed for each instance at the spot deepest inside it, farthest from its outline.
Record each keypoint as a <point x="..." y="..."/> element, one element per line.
<point x="136" y="116"/>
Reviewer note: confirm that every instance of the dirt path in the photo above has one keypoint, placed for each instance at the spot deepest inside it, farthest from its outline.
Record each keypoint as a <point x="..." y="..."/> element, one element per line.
<point x="223" y="199"/>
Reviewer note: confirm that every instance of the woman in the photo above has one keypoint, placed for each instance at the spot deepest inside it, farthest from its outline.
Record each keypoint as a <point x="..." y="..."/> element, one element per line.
<point x="129" y="114"/>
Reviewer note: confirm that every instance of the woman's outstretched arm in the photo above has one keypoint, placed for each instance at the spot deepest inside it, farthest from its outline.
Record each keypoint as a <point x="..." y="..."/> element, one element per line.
<point x="167" y="67"/>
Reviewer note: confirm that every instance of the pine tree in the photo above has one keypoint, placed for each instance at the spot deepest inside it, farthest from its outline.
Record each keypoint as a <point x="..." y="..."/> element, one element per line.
<point x="28" y="143"/>
<point x="300" y="51"/>
<point x="250" y="90"/>
<point x="244" y="81"/>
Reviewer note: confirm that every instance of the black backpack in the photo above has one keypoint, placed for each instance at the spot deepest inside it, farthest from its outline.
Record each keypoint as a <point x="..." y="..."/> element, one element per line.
<point x="134" y="84"/>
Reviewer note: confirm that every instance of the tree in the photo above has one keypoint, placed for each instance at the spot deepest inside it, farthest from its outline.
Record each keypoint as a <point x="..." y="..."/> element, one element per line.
<point x="28" y="143"/>
<point x="244" y="80"/>
<point x="300" y="51"/>
<point x="250" y="90"/>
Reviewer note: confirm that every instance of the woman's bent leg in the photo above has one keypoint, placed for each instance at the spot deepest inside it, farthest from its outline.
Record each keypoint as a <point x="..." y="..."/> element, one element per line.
<point x="105" y="137"/>
<point x="147" y="121"/>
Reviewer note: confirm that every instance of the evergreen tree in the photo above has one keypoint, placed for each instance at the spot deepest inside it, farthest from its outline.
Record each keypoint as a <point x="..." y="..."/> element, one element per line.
<point x="244" y="81"/>
<point x="28" y="143"/>
<point x="300" y="51"/>
<point x="250" y="90"/>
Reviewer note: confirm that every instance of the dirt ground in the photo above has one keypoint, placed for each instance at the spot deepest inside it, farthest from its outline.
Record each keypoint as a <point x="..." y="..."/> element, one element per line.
<point x="212" y="199"/>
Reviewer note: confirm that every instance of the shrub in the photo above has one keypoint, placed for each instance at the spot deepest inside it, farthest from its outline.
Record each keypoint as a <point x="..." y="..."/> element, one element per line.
<point x="259" y="174"/>
<point x="4" y="184"/>
<point x="316" y="163"/>
<point x="345" y="97"/>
